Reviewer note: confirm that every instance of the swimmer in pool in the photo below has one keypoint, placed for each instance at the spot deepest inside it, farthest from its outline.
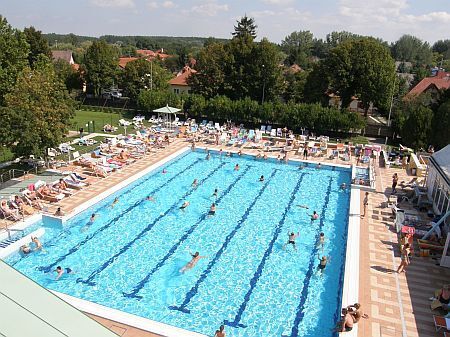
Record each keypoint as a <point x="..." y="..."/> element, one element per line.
<point x="150" y="198"/>
<point x="61" y="271"/>
<point x="261" y="178"/>
<point x="90" y="223"/>
<point x="194" y="183"/>
<point x="323" y="263"/>
<point x="212" y="209"/>
<point x="25" y="249"/>
<point x="229" y="154"/>
<point x="314" y="216"/>
<point x="291" y="240"/>
<point x="185" y="204"/>
<point x="343" y="186"/>
<point x="265" y="156"/>
<point x="236" y="168"/>
<point x="164" y="171"/>
<point x="116" y="200"/>
<point x="191" y="264"/>
<point x="321" y="241"/>
<point x="301" y="167"/>
<point x="208" y="156"/>
<point x="319" y="166"/>
<point x="216" y="192"/>
<point x="239" y="153"/>
<point x="37" y="243"/>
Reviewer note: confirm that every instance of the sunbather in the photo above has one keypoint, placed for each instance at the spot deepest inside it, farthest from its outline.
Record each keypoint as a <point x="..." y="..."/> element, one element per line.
<point x="23" y="208"/>
<point x="356" y="313"/>
<point x="7" y="211"/>
<point x="441" y="298"/>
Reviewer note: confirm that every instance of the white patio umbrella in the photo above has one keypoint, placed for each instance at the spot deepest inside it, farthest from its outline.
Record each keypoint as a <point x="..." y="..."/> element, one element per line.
<point x="167" y="111"/>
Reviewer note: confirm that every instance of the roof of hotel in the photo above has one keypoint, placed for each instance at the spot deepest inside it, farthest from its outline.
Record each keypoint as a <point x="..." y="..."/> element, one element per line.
<point x="182" y="76"/>
<point x="442" y="159"/>
<point x="441" y="81"/>
<point x="29" y="309"/>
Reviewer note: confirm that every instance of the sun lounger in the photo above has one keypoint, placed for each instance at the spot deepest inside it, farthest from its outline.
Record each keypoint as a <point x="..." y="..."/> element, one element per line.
<point x="269" y="129"/>
<point x="432" y="245"/>
<point x="441" y="322"/>
<point x="123" y="122"/>
<point x="263" y="128"/>
<point x="273" y="133"/>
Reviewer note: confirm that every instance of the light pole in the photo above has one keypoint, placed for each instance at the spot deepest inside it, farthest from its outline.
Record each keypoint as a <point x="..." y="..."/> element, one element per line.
<point x="390" y="107"/>
<point x="264" y="83"/>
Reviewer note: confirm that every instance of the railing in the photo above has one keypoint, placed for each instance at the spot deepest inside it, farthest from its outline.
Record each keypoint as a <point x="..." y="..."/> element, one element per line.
<point x="15" y="173"/>
<point x="9" y="230"/>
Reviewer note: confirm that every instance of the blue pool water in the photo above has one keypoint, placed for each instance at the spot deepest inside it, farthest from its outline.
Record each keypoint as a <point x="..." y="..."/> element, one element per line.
<point x="129" y="258"/>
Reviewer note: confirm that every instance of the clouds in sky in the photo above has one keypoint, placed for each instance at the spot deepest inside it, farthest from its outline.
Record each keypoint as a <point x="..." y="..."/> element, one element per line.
<point x="387" y="19"/>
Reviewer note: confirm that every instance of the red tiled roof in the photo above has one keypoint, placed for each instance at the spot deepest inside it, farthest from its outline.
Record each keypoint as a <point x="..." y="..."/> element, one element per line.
<point x="182" y="76"/>
<point x="146" y="52"/>
<point x="124" y="60"/>
<point x="441" y="81"/>
<point x="65" y="55"/>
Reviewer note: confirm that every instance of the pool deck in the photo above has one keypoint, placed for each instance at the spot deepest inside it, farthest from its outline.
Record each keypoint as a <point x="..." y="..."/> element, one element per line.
<point x="397" y="304"/>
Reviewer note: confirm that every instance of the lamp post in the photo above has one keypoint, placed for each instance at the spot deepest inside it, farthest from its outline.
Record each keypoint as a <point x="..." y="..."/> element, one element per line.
<point x="390" y="107"/>
<point x="264" y="83"/>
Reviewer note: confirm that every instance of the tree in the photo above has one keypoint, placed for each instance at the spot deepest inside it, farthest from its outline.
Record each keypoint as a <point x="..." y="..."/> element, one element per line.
<point x="245" y="27"/>
<point x="38" y="111"/>
<point x="38" y="45"/>
<point x="415" y="130"/>
<point x="362" y="68"/>
<point x="334" y="39"/>
<point x="317" y="84"/>
<point x="298" y="46"/>
<point x="411" y="49"/>
<point x="68" y="75"/>
<point x="440" y="136"/>
<point x="295" y="86"/>
<point x="142" y="74"/>
<point x="101" y="66"/>
<point x="149" y="100"/>
<point x="209" y="80"/>
<point x="13" y="56"/>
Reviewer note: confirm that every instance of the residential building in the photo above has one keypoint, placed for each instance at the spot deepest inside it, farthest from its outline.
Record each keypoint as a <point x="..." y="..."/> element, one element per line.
<point x="433" y="85"/>
<point x="124" y="60"/>
<point x="178" y="84"/>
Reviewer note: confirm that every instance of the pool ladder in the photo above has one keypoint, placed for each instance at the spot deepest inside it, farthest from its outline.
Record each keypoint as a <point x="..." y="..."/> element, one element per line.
<point x="10" y="240"/>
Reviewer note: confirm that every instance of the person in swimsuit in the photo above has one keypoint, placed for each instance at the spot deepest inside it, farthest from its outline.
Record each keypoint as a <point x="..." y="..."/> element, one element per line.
<point x="194" y="183"/>
<point x="212" y="209"/>
<point x="150" y="198"/>
<point x="323" y="263"/>
<point x="305" y="153"/>
<point x="394" y="183"/>
<point x="220" y="332"/>
<point x="265" y="156"/>
<point x="116" y="200"/>
<point x="193" y="146"/>
<point x="261" y="178"/>
<point x="236" y="168"/>
<point x="185" y="204"/>
<point x="61" y="271"/>
<point x="343" y="186"/>
<point x="208" y="156"/>
<point x="59" y="212"/>
<point x="164" y="171"/>
<point x="291" y="240"/>
<point x="25" y="249"/>
<point x="239" y="153"/>
<point x="314" y="216"/>
<point x="216" y="192"/>
<point x="191" y="264"/>
<point x="229" y="154"/>
<point x="90" y="223"/>
<point x="355" y="311"/>
<point x="405" y="259"/>
<point x="319" y="166"/>
<point x="365" y="203"/>
<point x="347" y="322"/>
<point x="321" y="241"/>
<point x="37" y="243"/>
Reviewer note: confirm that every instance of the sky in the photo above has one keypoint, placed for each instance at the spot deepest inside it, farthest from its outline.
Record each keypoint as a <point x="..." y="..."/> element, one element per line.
<point x="386" y="19"/>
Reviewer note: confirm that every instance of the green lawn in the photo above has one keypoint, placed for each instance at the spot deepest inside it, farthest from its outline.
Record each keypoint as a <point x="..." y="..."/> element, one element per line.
<point x="99" y="119"/>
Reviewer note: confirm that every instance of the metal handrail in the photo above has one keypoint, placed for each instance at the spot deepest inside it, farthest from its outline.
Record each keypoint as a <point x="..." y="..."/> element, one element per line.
<point x="11" y="174"/>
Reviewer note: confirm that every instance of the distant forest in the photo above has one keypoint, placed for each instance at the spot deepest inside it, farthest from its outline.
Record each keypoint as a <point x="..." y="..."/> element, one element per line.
<point x="170" y="44"/>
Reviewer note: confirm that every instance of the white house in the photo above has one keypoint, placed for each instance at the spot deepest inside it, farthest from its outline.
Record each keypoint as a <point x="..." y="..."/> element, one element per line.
<point x="438" y="181"/>
<point x="178" y="84"/>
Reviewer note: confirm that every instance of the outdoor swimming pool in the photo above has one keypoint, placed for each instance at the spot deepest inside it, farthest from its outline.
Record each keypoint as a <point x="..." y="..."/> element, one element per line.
<point x="129" y="258"/>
